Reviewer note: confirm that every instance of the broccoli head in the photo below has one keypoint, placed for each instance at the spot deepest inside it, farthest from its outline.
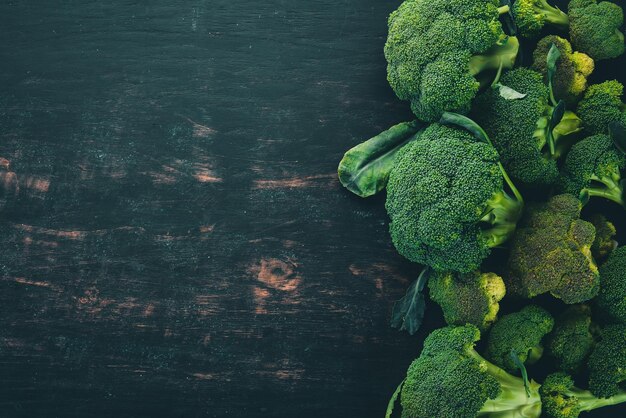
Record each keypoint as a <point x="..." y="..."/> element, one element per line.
<point x="450" y="379"/>
<point x="470" y="298"/>
<point x="593" y="168"/>
<point x="611" y="301"/>
<point x="561" y="399"/>
<point x="524" y="145"/>
<point x="440" y="51"/>
<point x="447" y="202"/>
<point x="571" y="341"/>
<point x="551" y="252"/>
<point x="601" y="105"/>
<point x="572" y="68"/>
<point x="594" y="28"/>
<point x="520" y="332"/>
<point x="607" y="363"/>
<point x="532" y="15"/>
<point x="605" y="237"/>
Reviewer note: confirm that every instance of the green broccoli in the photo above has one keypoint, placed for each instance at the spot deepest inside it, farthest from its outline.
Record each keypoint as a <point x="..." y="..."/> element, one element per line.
<point x="561" y="399"/>
<point x="439" y="53"/>
<point x="594" y="28"/>
<point x="593" y="168"/>
<point x="607" y="363"/>
<point x="551" y="252"/>
<point x="571" y="341"/>
<point x="572" y="68"/>
<point x="611" y="301"/>
<point x="450" y="379"/>
<point x="532" y="15"/>
<point x="520" y="332"/>
<point x="447" y="202"/>
<point x="470" y="298"/>
<point x="601" y="105"/>
<point x="605" y="237"/>
<point x="524" y="145"/>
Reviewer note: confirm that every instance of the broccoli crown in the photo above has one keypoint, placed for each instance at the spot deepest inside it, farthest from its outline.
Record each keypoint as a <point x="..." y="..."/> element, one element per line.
<point x="470" y="298"/>
<point x="532" y="15"/>
<point x="520" y="144"/>
<point x="429" y="51"/>
<point x="522" y="332"/>
<point x="572" y="68"/>
<point x="439" y="192"/>
<point x="605" y="237"/>
<point x="611" y="300"/>
<point x="450" y="379"/>
<point x="551" y="252"/>
<point x="601" y="105"/>
<point x="594" y="28"/>
<point x="607" y="363"/>
<point x="593" y="168"/>
<point x="571" y="341"/>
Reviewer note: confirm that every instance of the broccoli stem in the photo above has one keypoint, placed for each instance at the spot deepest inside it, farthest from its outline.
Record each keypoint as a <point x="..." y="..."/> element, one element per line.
<point x="502" y="10"/>
<point x="563" y="133"/>
<point x="553" y="15"/>
<point x="501" y="216"/>
<point x="588" y="401"/>
<point x="501" y="56"/>
<point x="612" y="190"/>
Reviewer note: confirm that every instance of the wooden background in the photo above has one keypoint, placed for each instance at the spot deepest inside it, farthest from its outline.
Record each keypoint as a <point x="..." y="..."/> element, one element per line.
<point x="174" y="239"/>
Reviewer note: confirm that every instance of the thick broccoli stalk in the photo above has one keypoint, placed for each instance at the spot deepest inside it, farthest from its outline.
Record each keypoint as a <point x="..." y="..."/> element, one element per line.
<point x="593" y="169"/>
<point x="440" y="52"/>
<point x="532" y="15"/>
<point x="611" y="301"/>
<point x="468" y="298"/>
<point x="605" y="237"/>
<point x="551" y="252"/>
<point x="521" y="131"/>
<point x="602" y="105"/>
<point x="607" y="363"/>
<point x="450" y="379"/>
<point x="594" y="28"/>
<point x="520" y="332"/>
<point x="571" y="341"/>
<point x="561" y="399"/>
<point x="572" y="68"/>
<point x="447" y="201"/>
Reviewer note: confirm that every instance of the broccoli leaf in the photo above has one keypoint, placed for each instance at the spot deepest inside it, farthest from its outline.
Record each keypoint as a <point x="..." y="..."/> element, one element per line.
<point x="508" y="93"/>
<point x="553" y="56"/>
<point x="617" y="132"/>
<point x="394" y="398"/>
<point x="408" y="312"/>
<point x="364" y="169"/>
<point x="555" y="118"/>
<point x="507" y="19"/>
<point x="455" y="119"/>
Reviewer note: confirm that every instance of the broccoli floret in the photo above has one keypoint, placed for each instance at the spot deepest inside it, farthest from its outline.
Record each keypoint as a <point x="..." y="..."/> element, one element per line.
<point x="450" y="379"/>
<point x="601" y="105"/>
<point x="561" y="399"/>
<point x="594" y="28"/>
<point x="551" y="252"/>
<point x="440" y="51"/>
<point x="611" y="301"/>
<point x="572" y="68"/>
<point x="571" y="341"/>
<point x="470" y="298"/>
<point x="593" y="168"/>
<point x="607" y="363"/>
<point x="520" y="129"/>
<point x="605" y="237"/>
<point x="447" y="202"/>
<point x="520" y="332"/>
<point x="532" y="15"/>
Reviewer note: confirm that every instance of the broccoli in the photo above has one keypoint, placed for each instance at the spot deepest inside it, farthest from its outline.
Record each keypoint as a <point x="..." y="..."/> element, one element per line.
<point x="470" y="298"/>
<point x="593" y="168"/>
<point x="551" y="252"/>
<point x="521" y="129"/>
<point x="594" y="28"/>
<point x="607" y="363"/>
<point x="571" y="341"/>
<point x="561" y="399"/>
<point x="450" y="379"/>
<point x="439" y="53"/>
<point x="532" y="15"/>
<point x="611" y="301"/>
<point x="601" y="105"/>
<point x="520" y="332"/>
<point x="605" y="237"/>
<point x="447" y="202"/>
<point x="572" y="68"/>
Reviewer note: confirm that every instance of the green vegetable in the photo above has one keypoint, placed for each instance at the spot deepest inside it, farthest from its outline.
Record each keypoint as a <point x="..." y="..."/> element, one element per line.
<point x="450" y="379"/>
<point x="602" y="105"/>
<point x="532" y="15"/>
<point x="440" y="52"/>
<point x="520" y="332"/>
<point x="605" y="237"/>
<point x="571" y="341"/>
<point x="594" y="28"/>
<point x="607" y="363"/>
<point x="611" y="301"/>
<point x="408" y="312"/>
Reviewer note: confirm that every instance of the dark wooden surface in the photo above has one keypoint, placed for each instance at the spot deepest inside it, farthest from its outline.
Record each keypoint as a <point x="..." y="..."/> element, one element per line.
<point x="174" y="239"/>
